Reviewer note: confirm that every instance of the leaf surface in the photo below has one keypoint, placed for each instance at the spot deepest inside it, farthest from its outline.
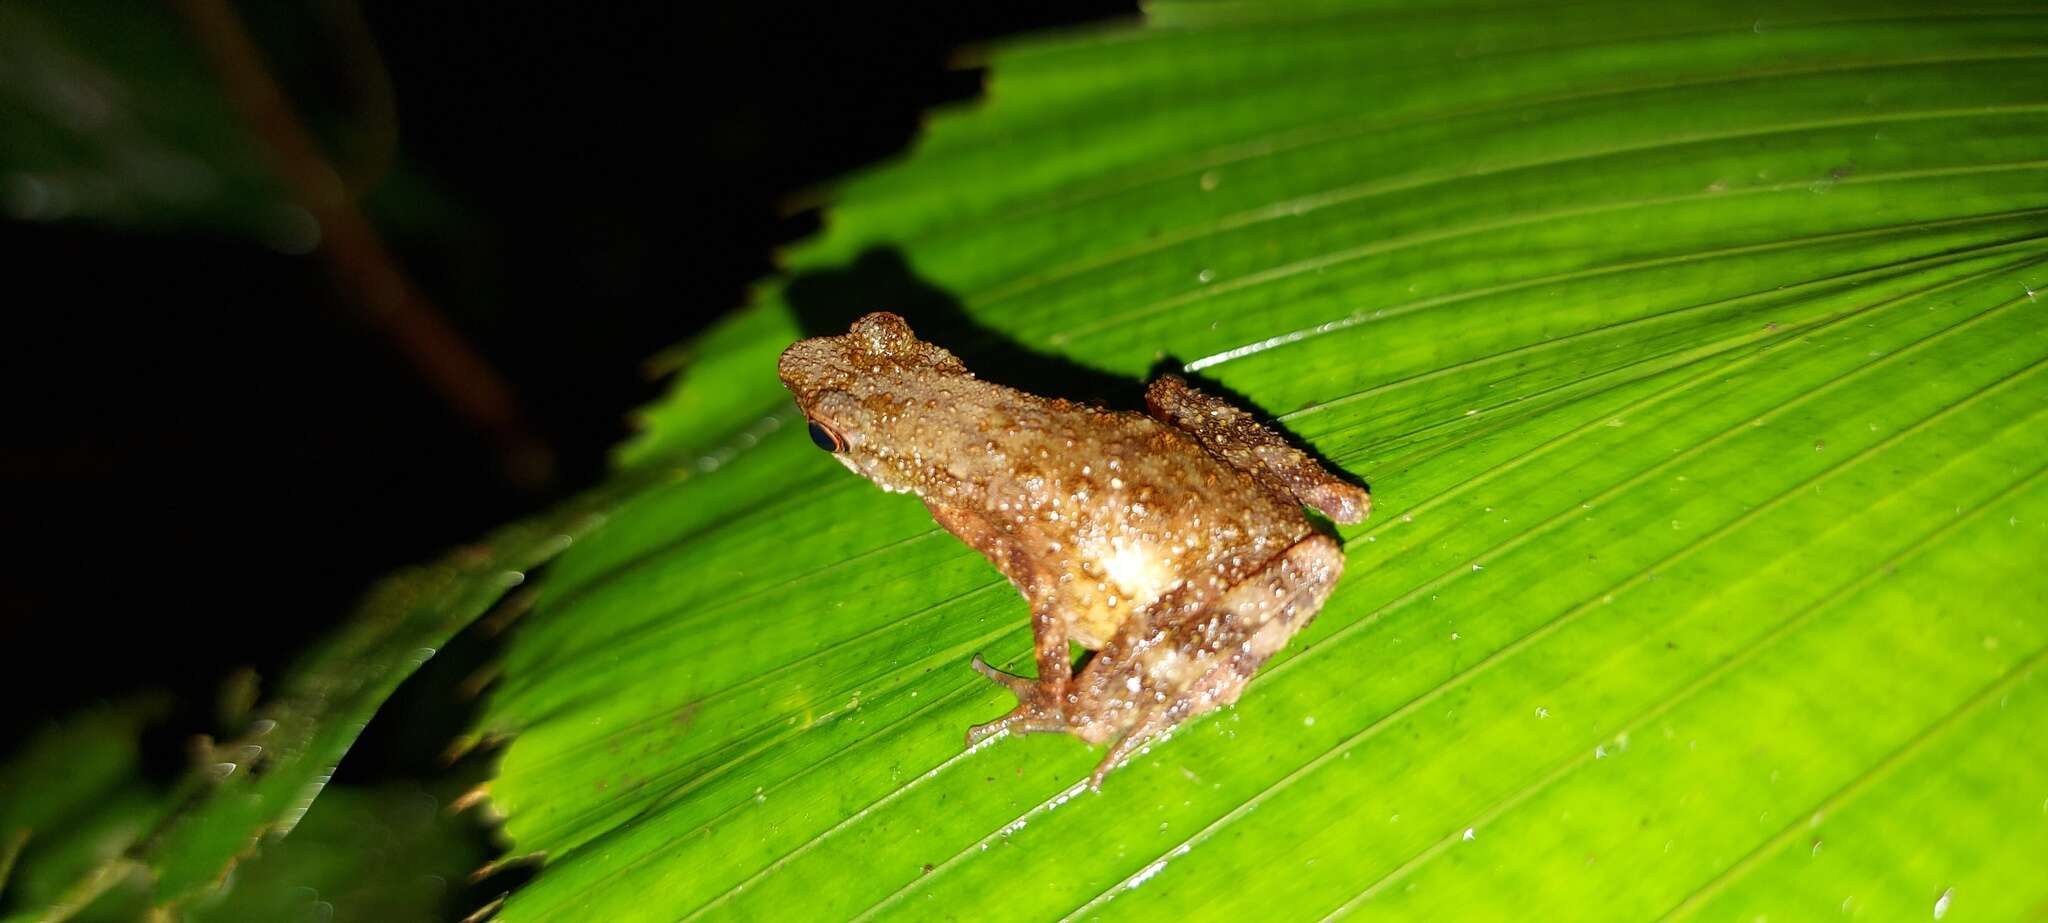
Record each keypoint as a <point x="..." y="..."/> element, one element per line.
<point x="1694" y="357"/>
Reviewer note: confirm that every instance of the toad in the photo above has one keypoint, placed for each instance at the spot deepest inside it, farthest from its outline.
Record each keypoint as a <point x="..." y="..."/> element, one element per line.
<point x="1173" y="544"/>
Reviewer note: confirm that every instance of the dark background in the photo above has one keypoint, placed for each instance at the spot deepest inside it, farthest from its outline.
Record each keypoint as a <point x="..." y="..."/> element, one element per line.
<point x="208" y="451"/>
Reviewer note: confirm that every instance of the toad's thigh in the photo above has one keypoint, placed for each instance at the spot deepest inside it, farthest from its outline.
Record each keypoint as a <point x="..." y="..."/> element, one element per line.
<point x="1257" y="617"/>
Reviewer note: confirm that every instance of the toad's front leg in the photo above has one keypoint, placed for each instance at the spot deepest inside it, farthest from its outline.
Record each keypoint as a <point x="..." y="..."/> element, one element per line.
<point x="1042" y="704"/>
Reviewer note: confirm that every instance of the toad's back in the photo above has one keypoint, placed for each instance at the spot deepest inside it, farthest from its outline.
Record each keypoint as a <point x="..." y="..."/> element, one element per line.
<point x="1117" y="509"/>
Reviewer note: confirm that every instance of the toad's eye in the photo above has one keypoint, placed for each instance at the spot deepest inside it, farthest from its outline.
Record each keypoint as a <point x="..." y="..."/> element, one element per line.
<point x="825" y="438"/>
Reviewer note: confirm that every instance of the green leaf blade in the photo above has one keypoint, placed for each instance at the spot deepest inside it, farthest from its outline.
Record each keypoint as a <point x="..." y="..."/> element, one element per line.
<point x="1692" y="360"/>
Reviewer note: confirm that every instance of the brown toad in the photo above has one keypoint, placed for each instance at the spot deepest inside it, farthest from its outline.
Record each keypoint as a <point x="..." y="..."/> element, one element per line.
<point x="1172" y="545"/>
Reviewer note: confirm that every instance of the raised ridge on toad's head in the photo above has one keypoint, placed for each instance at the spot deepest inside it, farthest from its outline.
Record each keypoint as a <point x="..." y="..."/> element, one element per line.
<point x="878" y="347"/>
<point x="884" y="333"/>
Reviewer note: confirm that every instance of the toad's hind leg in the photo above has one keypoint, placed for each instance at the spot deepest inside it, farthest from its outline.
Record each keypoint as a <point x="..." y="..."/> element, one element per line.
<point x="1238" y="438"/>
<point x="1223" y="645"/>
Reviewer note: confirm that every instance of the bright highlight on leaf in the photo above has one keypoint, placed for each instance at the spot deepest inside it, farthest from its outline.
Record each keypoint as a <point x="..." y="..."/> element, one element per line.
<point x="1696" y="362"/>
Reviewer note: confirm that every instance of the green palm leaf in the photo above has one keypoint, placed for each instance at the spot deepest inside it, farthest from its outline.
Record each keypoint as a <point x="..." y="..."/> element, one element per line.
<point x="1694" y="359"/>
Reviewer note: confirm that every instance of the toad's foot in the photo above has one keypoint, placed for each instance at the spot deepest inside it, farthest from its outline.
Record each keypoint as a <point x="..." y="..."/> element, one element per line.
<point x="1153" y="728"/>
<point x="1041" y="707"/>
